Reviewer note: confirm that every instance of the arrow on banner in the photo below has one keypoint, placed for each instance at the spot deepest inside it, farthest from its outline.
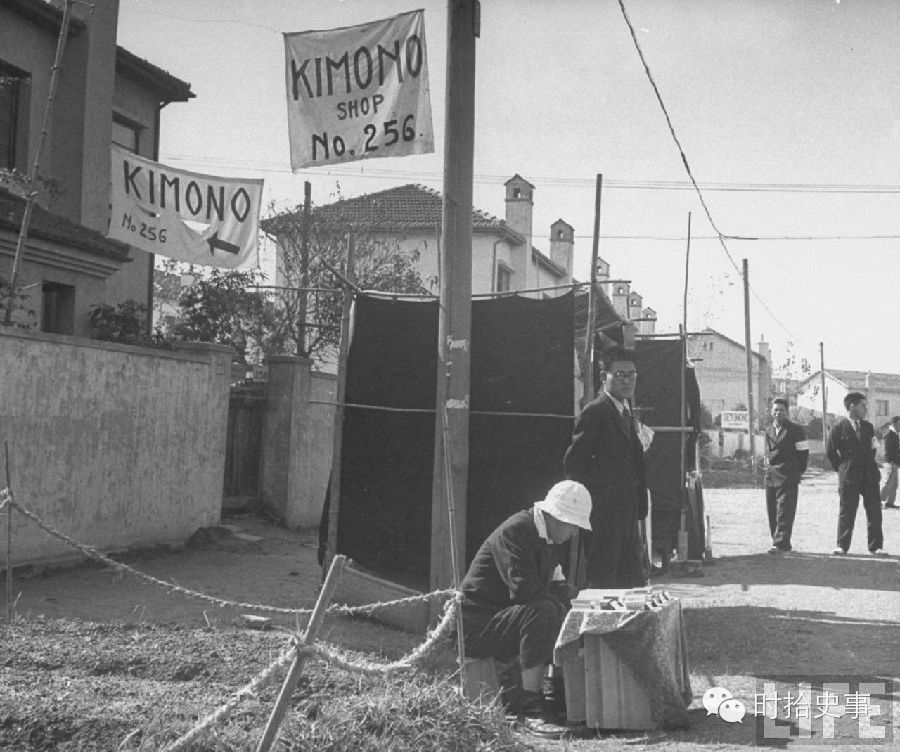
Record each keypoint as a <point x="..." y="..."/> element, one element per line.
<point x="214" y="243"/>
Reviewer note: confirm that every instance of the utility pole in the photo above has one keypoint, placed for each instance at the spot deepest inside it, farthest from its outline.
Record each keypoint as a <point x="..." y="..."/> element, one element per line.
<point x="824" y="396"/>
<point x="451" y="474"/>
<point x="746" y="275"/>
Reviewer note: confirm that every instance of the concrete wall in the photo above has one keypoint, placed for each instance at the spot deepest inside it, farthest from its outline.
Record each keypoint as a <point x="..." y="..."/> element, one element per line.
<point x="297" y="440"/>
<point x="115" y="446"/>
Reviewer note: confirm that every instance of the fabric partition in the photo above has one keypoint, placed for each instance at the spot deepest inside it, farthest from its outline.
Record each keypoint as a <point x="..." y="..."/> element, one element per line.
<point x="521" y="360"/>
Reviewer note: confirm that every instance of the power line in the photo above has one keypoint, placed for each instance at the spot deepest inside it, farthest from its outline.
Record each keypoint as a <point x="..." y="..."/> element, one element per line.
<point x="687" y="167"/>
<point x="555" y="181"/>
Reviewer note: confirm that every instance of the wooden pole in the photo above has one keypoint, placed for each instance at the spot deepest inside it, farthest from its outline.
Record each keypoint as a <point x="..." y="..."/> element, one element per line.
<point x="588" y="380"/>
<point x="746" y="276"/>
<point x="9" y="575"/>
<point x="302" y="298"/>
<point x="824" y="395"/>
<point x="455" y="317"/>
<point x="682" y="333"/>
<point x="334" y="485"/>
<point x="32" y="175"/>
<point x="309" y="636"/>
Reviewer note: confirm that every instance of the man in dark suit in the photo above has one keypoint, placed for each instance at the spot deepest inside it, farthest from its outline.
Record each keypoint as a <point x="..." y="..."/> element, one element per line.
<point x="607" y="456"/>
<point x="892" y="457"/>
<point x="788" y="454"/>
<point x="851" y="451"/>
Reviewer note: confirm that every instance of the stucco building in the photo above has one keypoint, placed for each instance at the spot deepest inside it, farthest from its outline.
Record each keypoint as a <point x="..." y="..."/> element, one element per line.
<point x="882" y="392"/>
<point x="503" y="255"/>
<point x="720" y="364"/>
<point x="105" y="94"/>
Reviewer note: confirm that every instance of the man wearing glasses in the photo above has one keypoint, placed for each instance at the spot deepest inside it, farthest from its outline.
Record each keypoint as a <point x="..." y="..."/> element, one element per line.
<point x="607" y="456"/>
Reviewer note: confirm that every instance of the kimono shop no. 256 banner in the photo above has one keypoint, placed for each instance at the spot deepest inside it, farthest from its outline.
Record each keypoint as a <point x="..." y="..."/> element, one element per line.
<point x="184" y="215"/>
<point x="358" y="92"/>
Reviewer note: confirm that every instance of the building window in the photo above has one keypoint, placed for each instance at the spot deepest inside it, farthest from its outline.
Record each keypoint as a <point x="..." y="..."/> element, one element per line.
<point x="126" y="133"/>
<point x="57" y="308"/>
<point x="13" y="111"/>
<point x="504" y="279"/>
<point x="882" y="407"/>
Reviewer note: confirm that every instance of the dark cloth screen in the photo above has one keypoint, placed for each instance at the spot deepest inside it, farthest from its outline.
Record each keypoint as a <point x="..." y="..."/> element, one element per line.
<point x="521" y="359"/>
<point x="658" y="395"/>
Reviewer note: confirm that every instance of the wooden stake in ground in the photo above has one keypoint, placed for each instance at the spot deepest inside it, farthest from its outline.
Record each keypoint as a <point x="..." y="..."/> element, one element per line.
<point x="312" y="631"/>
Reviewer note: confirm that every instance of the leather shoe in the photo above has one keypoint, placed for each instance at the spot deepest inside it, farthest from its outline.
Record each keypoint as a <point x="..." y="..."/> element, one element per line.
<point x="839" y="551"/>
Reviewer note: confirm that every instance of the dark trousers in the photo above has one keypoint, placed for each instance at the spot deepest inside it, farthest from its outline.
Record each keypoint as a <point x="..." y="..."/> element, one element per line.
<point x="528" y="631"/>
<point x="781" y="504"/>
<point x="849" y="495"/>
<point x="614" y="555"/>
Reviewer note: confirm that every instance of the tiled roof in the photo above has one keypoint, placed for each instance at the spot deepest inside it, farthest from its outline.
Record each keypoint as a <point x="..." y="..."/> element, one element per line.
<point x="58" y="229"/>
<point x="155" y="78"/>
<point x="857" y="379"/>
<point x="708" y="331"/>
<point x="407" y="207"/>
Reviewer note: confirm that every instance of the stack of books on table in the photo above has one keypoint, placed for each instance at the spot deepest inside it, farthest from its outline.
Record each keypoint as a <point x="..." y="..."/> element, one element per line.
<point x="634" y="599"/>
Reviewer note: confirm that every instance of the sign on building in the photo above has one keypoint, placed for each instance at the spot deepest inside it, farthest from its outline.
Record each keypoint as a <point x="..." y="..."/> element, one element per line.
<point x="200" y="219"/>
<point x="359" y="92"/>
<point x="734" y="419"/>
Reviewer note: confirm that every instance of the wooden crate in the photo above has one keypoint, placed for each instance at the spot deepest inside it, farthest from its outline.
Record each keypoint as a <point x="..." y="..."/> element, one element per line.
<point x="602" y="692"/>
<point x="480" y="679"/>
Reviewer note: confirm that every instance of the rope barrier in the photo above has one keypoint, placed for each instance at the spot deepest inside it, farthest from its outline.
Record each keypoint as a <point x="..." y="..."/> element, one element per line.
<point x="248" y="690"/>
<point x="332" y="656"/>
<point x="329" y="654"/>
<point x="367" y="610"/>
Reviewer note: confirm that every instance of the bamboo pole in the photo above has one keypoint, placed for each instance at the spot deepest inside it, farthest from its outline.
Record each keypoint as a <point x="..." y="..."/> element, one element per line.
<point x="334" y="484"/>
<point x="682" y="335"/>
<point x="457" y="575"/>
<point x="9" y="576"/>
<point x="32" y="175"/>
<point x="309" y="636"/>
<point x="746" y="276"/>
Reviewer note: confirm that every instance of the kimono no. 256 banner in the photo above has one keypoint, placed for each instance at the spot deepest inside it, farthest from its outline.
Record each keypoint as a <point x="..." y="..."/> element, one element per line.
<point x="358" y="92"/>
<point x="201" y="219"/>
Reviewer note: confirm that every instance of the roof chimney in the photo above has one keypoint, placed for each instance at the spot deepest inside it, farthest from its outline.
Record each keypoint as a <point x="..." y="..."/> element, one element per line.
<point x="519" y="205"/>
<point x="562" y="244"/>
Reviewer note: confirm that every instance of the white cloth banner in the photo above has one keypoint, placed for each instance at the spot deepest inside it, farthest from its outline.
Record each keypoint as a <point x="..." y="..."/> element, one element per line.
<point x="184" y="215"/>
<point x="358" y="92"/>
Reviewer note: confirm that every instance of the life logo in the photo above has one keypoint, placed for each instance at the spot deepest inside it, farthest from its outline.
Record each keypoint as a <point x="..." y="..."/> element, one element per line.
<point x="719" y="701"/>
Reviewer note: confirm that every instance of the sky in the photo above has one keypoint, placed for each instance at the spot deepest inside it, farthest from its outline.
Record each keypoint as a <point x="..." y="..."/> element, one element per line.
<point x="787" y="112"/>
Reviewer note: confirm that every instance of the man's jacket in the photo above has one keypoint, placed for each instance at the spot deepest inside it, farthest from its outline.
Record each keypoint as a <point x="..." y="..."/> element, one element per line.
<point x="892" y="447"/>
<point x="607" y="457"/>
<point x="513" y="566"/>
<point x="853" y="457"/>
<point x="787" y="453"/>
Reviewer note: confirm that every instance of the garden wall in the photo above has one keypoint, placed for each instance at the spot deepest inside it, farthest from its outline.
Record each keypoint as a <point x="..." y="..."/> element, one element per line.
<point x="116" y="446"/>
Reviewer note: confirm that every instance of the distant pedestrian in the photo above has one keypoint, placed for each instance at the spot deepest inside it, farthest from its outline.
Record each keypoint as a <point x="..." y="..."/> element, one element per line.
<point x="851" y="451"/>
<point x="892" y="458"/>
<point x="788" y="454"/>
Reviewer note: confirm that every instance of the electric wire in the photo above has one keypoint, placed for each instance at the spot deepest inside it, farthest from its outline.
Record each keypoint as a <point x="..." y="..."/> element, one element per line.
<point x="687" y="167"/>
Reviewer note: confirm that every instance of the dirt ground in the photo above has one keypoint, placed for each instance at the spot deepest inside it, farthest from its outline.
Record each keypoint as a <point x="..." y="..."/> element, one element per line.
<point x="749" y="614"/>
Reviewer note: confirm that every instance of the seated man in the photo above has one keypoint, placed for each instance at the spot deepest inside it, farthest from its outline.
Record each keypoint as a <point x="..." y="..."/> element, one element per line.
<point x="514" y="595"/>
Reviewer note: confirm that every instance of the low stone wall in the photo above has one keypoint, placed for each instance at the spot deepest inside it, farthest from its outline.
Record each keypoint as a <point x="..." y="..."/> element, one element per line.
<point x="115" y="446"/>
